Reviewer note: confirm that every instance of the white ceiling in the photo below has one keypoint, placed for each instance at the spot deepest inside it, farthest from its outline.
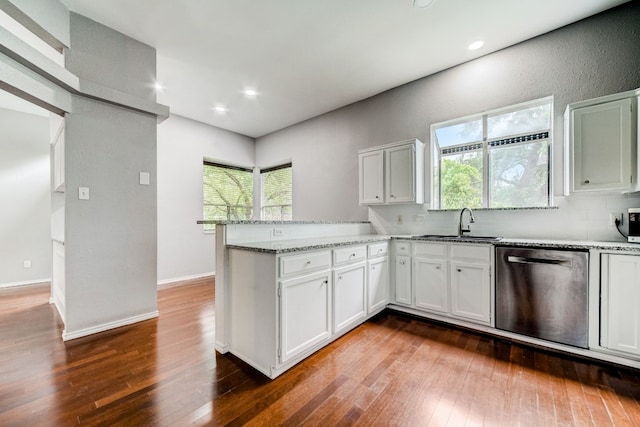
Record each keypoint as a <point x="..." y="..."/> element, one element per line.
<point x="308" y="57"/>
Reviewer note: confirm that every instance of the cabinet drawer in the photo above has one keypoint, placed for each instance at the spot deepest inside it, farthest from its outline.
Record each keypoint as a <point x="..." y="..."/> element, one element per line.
<point x="471" y="252"/>
<point x="350" y="254"/>
<point x="403" y="248"/>
<point x="430" y="250"/>
<point x="378" y="249"/>
<point x="295" y="264"/>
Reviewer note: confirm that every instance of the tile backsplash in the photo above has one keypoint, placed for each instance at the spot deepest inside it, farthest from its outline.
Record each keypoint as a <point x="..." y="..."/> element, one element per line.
<point x="575" y="217"/>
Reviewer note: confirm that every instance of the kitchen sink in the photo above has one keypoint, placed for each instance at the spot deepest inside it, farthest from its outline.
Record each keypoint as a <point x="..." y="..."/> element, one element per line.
<point x="454" y="237"/>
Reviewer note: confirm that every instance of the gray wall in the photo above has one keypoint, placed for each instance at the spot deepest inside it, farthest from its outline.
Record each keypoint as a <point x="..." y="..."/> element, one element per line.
<point x="109" y="58"/>
<point x="111" y="239"/>
<point x="594" y="57"/>
<point x="25" y="228"/>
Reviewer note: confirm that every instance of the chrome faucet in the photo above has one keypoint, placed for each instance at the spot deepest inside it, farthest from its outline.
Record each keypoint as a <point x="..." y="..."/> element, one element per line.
<point x="462" y="230"/>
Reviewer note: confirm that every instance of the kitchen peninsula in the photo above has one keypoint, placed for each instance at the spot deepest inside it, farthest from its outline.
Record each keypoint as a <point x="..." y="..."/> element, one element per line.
<point x="286" y="289"/>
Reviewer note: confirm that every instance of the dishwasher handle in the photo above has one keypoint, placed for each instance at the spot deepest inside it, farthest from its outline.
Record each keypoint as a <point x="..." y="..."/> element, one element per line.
<point x="529" y="260"/>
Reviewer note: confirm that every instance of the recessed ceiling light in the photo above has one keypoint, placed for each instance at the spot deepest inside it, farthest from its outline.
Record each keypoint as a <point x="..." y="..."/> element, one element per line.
<point x="422" y="3"/>
<point x="220" y="109"/>
<point x="250" y="93"/>
<point x="476" y="45"/>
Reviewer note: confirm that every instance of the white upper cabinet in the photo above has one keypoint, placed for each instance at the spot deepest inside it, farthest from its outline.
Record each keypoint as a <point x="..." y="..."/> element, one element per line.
<point x="57" y="152"/>
<point x="371" y="177"/>
<point x="601" y="135"/>
<point x="392" y="173"/>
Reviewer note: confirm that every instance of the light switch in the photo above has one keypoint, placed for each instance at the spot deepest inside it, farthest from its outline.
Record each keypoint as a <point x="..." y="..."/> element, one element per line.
<point x="83" y="193"/>
<point x="144" y="178"/>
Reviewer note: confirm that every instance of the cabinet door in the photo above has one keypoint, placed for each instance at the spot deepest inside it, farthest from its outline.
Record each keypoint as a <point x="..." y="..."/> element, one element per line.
<point x="58" y="277"/>
<point x="401" y="174"/>
<point x="378" y="284"/>
<point x="621" y="303"/>
<point x="430" y="284"/>
<point x="304" y="313"/>
<point x="349" y="296"/>
<point x="471" y="291"/>
<point x="403" y="280"/>
<point x="58" y="160"/>
<point x="371" y="177"/>
<point x="602" y="141"/>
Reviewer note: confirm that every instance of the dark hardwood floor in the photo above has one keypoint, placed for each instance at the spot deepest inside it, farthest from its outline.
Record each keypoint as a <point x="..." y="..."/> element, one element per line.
<point x="392" y="370"/>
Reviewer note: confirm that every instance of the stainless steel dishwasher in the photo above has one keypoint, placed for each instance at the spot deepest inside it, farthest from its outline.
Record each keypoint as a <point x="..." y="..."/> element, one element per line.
<point x="543" y="293"/>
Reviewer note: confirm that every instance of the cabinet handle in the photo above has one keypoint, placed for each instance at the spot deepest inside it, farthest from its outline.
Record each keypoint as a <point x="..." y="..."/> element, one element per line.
<point x="401" y="262"/>
<point x="437" y="267"/>
<point x="459" y="270"/>
<point x="308" y="262"/>
<point x="393" y="197"/>
<point x="586" y="181"/>
<point x="353" y="255"/>
<point x="339" y="277"/>
<point x="377" y="197"/>
<point x="326" y="282"/>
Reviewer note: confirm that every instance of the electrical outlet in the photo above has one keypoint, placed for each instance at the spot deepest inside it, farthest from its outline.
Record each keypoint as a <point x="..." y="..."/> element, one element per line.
<point x="277" y="232"/>
<point x="83" y="193"/>
<point x="400" y="219"/>
<point x="27" y="263"/>
<point x="613" y="217"/>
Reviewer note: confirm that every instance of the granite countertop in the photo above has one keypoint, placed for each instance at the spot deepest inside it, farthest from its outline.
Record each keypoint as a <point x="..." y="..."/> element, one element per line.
<point x="260" y="221"/>
<point x="285" y="246"/>
<point x="570" y="244"/>
<point x="536" y="243"/>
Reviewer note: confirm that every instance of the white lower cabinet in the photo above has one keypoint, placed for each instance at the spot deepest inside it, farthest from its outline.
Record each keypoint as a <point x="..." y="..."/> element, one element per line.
<point x="305" y="304"/>
<point x="453" y="280"/>
<point x="378" y="284"/>
<point x="285" y="307"/>
<point x="431" y="284"/>
<point x="349" y="296"/>
<point x="403" y="280"/>
<point x="470" y="291"/>
<point x="58" y="277"/>
<point x="402" y="273"/>
<point x="620" y="303"/>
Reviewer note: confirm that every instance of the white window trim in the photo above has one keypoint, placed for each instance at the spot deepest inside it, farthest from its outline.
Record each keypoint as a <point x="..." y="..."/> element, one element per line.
<point x="259" y="214"/>
<point x="483" y="116"/>
<point x="222" y="163"/>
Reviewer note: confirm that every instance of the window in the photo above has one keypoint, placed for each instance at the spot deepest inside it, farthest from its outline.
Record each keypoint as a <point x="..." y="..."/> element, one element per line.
<point x="277" y="193"/>
<point x="227" y="193"/>
<point x="497" y="159"/>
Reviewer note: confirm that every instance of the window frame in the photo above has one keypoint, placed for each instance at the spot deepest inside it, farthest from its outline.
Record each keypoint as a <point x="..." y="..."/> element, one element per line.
<point x="213" y="163"/>
<point x="437" y="153"/>
<point x="288" y="165"/>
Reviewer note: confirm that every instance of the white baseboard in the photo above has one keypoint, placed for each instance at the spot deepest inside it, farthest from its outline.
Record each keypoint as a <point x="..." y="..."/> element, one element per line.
<point x="59" y="307"/>
<point x="66" y="336"/>
<point x="182" y="279"/>
<point x="25" y="283"/>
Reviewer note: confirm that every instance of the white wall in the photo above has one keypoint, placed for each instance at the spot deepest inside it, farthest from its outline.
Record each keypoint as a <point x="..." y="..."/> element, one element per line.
<point x="47" y="19"/>
<point x="184" y="250"/>
<point x="594" y="57"/>
<point x="25" y="227"/>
